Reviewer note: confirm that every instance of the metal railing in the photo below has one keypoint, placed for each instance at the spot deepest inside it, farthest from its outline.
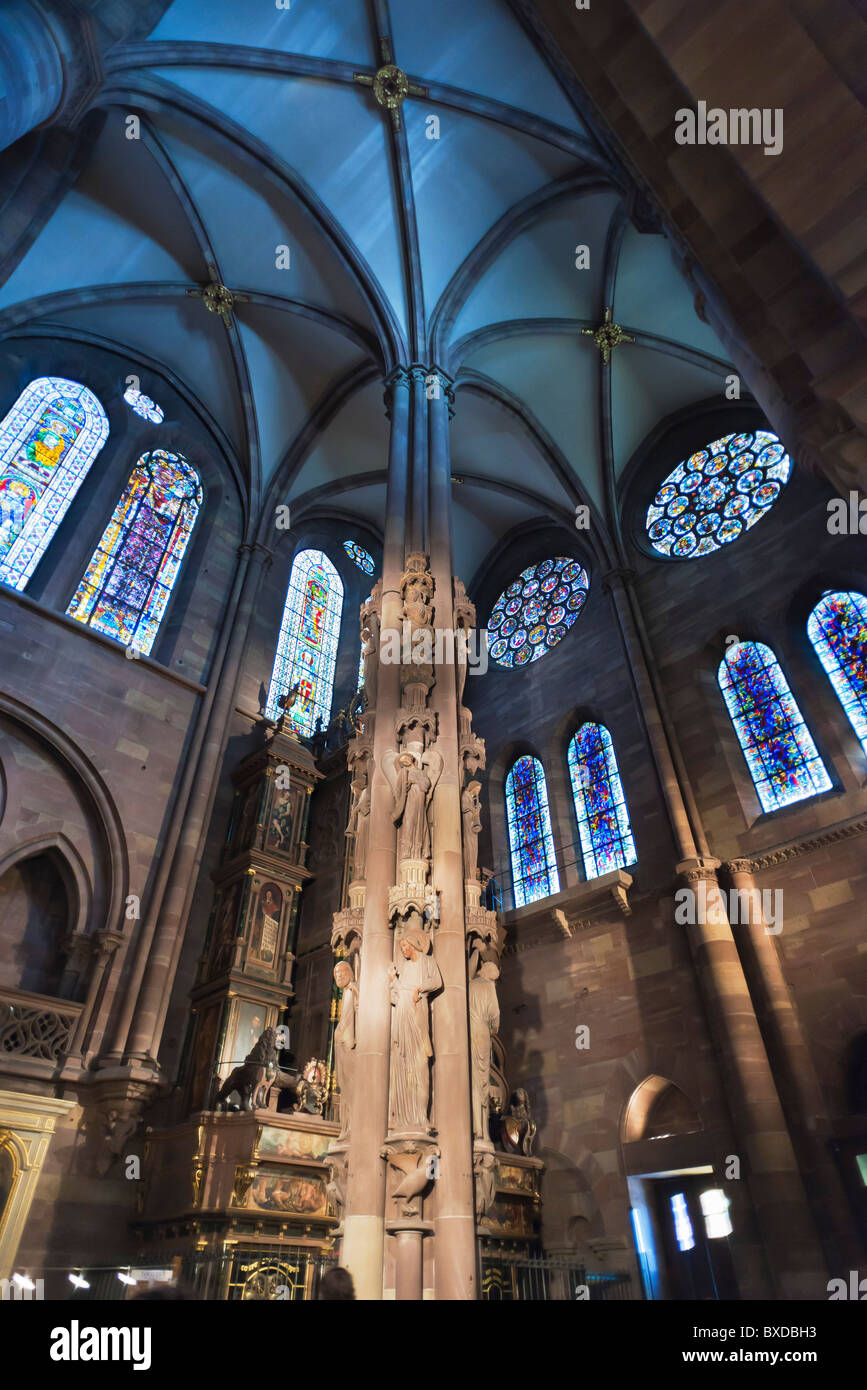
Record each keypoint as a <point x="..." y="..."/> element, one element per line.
<point x="549" y="1279"/>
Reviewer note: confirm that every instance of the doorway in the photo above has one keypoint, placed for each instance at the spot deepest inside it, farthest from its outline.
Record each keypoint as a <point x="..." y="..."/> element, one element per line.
<point x="693" y="1223"/>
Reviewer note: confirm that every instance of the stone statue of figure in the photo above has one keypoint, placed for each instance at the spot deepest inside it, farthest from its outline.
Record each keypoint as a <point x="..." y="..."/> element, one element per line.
<point x="484" y="1021"/>
<point x="370" y="633"/>
<point x="412" y="795"/>
<point x="471" y="816"/>
<point x="359" y="823"/>
<point x="417" y="599"/>
<point x="344" y="1039"/>
<point x="416" y="978"/>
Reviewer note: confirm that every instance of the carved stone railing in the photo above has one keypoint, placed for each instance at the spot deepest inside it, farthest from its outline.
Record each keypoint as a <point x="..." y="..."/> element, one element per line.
<point x="36" y="1025"/>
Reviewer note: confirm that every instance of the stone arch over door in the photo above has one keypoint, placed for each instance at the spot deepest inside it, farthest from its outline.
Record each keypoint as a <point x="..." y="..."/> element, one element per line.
<point x="657" y="1097"/>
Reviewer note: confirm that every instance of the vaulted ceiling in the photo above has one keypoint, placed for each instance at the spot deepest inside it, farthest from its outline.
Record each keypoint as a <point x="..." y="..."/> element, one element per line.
<point x="458" y="250"/>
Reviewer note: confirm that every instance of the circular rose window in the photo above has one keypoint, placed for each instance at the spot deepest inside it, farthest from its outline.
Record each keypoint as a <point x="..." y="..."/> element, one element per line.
<point x="536" y="611"/>
<point x="717" y="494"/>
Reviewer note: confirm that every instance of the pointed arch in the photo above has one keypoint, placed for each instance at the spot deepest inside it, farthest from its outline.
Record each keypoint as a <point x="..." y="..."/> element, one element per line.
<point x="837" y="628"/>
<point x="531" y="842"/>
<point x="783" y="760"/>
<point x="307" y="646"/>
<point x="600" y="805"/>
<point x="132" y="572"/>
<point x="48" y="441"/>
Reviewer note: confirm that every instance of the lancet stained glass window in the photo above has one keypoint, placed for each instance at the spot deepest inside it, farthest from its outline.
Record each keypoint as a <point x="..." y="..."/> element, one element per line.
<point x="48" y="441"/>
<point x="307" y="646"/>
<point x="534" y="864"/>
<point x="360" y="556"/>
<point x="536" y="611"/>
<point x="133" y="570"/>
<point x="783" y="760"/>
<point x="837" y="628"/>
<point x="713" y="497"/>
<point x="603" y="820"/>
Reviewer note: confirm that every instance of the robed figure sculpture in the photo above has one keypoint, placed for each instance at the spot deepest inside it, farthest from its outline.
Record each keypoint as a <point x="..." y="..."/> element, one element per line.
<point x="412" y="982"/>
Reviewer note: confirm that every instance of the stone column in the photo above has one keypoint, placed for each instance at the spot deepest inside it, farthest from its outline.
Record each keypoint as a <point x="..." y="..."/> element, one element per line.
<point x="48" y="64"/>
<point x="771" y="1169"/>
<point x="419" y="499"/>
<point x="455" y="1263"/>
<point x="769" y="1165"/>
<point x="364" y="1219"/>
<point x="797" y="1081"/>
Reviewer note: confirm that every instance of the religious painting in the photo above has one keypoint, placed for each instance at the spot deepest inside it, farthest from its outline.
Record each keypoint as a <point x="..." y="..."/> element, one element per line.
<point x="510" y="1175"/>
<point x="510" y="1217"/>
<point x="292" y="1143"/>
<point x="300" y="1194"/>
<point x="266" y="923"/>
<point x="248" y="1025"/>
<point x="279" y="835"/>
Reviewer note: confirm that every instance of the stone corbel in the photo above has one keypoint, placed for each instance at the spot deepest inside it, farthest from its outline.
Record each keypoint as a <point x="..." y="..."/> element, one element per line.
<point x="415" y="1162"/>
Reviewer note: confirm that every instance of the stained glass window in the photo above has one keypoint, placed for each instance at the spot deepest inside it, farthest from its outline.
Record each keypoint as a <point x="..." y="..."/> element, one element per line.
<point x="781" y="755"/>
<point x="536" y="611"/>
<point x="143" y="405"/>
<point x="534" y="864"/>
<point x="837" y="628"/>
<point x="603" y="820"/>
<point x="127" y="584"/>
<point x="717" y="494"/>
<point x="307" y="647"/>
<point x="48" y="441"/>
<point x="360" y="556"/>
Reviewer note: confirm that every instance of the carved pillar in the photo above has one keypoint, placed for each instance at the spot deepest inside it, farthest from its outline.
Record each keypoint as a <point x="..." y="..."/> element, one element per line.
<point x="769" y="1165"/>
<point x="364" y="1219"/>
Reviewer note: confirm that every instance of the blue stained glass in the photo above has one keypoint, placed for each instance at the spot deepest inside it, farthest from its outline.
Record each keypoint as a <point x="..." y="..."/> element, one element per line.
<point x="48" y="442"/>
<point x="536" y="611"/>
<point x="783" y="760"/>
<point x="360" y="556"/>
<point x="127" y="584"/>
<point x="717" y="494"/>
<point x="534" y="864"/>
<point x="307" y="646"/>
<point x="603" y="820"/>
<point x="837" y="628"/>
<point x="143" y="405"/>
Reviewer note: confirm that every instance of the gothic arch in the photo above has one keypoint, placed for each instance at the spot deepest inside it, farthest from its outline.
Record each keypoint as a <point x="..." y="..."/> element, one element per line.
<point x="79" y="890"/>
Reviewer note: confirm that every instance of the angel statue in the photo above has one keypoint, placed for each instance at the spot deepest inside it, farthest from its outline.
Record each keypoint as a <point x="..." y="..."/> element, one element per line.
<point x="359" y="823"/>
<point x="472" y="825"/>
<point x="370" y="652"/>
<point x="411" y="983"/>
<point x="413" y="780"/>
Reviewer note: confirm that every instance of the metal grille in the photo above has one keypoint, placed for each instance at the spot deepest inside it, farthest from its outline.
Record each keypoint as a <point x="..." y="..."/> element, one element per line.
<point x="549" y="1279"/>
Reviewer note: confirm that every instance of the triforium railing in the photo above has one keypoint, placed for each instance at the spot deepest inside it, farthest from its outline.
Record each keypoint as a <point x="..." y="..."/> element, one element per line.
<point x="34" y="1025"/>
<point x="549" y="1279"/>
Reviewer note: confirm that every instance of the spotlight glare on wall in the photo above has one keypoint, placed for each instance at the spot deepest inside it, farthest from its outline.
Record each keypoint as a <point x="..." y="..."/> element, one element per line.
<point x="126" y="1279"/>
<point x="23" y="1282"/>
<point x="77" y="1280"/>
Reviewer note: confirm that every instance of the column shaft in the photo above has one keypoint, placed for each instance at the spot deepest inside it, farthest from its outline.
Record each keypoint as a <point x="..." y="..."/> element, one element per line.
<point x="364" y="1222"/>
<point x="455" y="1240"/>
